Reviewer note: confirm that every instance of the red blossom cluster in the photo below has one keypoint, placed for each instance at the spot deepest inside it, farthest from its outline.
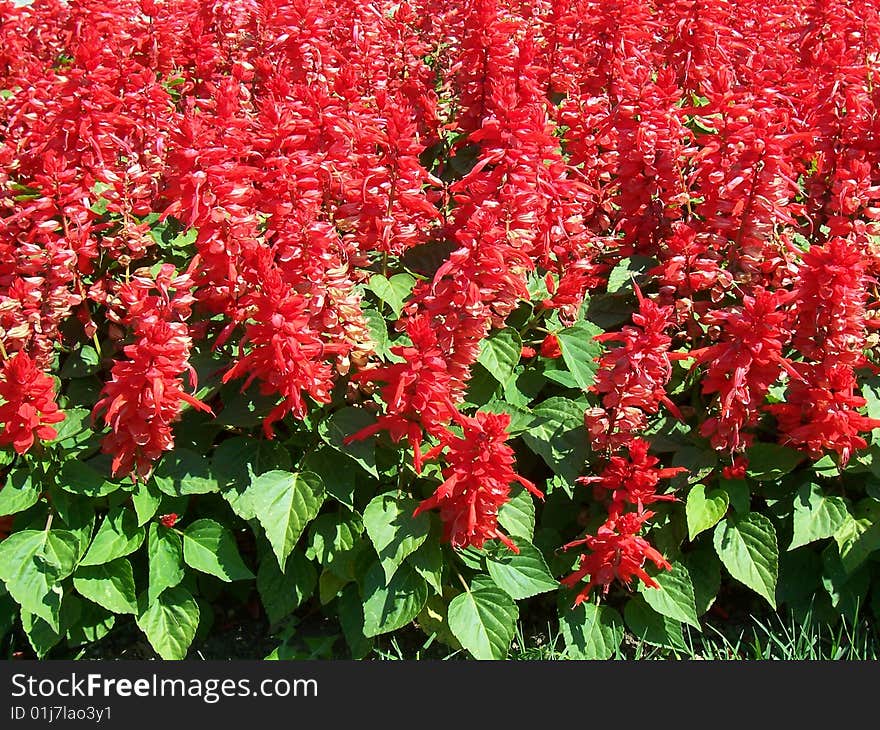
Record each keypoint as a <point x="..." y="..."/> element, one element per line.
<point x="309" y="146"/>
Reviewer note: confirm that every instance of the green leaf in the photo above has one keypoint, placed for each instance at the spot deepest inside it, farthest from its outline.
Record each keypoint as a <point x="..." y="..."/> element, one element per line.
<point x="816" y="516"/>
<point x="237" y="460"/>
<point x="41" y="636"/>
<point x="282" y="592"/>
<point x="75" y="514"/>
<point x="517" y="515"/>
<point x="483" y="619"/>
<point x="393" y="530"/>
<point x="703" y="509"/>
<point x="768" y="462"/>
<point x="33" y="563"/>
<point x="392" y="605"/>
<point x="859" y="536"/>
<point x="428" y="562"/>
<point x="651" y="627"/>
<point x="351" y="618"/>
<point x="118" y="536"/>
<point x="210" y="548"/>
<point x="146" y="499"/>
<point x="20" y="492"/>
<point x="705" y="571"/>
<point x="93" y="625"/>
<point x="591" y="631"/>
<point x="521" y="575"/>
<point x="620" y="276"/>
<point x="557" y="434"/>
<point x="110" y="585"/>
<point x="183" y="472"/>
<point x="332" y="534"/>
<point x="285" y="503"/>
<point x="392" y="291"/>
<point x="346" y="422"/>
<point x="738" y="494"/>
<point x="500" y="353"/>
<point x="579" y="351"/>
<point x="74" y="429"/>
<point x="165" y="554"/>
<point x="80" y="364"/>
<point x="77" y="477"/>
<point x="378" y="331"/>
<point x="747" y="547"/>
<point x="170" y="622"/>
<point x="338" y="477"/>
<point x="674" y="597"/>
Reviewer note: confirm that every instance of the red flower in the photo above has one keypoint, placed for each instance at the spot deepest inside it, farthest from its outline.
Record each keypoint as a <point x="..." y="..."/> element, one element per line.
<point x="143" y="397"/>
<point x="417" y="391"/>
<point x="737" y="470"/>
<point x="819" y="413"/>
<point x="477" y="476"/>
<point x="28" y="407"/>
<point x="169" y="520"/>
<point x="632" y="377"/>
<point x="550" y="347"/>
<point x="632" y="481"/>
<point x="616" y="553"/>
<point x="743" y="365"/>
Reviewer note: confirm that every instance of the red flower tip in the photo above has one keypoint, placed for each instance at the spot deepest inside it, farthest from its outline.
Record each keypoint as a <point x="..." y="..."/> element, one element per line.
<point x="550" y="347"/>
<point x="169" y="520"/>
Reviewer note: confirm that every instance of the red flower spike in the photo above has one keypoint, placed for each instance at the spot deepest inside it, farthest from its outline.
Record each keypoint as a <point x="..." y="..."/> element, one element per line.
<point x="478" y="475"/>
<point x="28" y="410"/>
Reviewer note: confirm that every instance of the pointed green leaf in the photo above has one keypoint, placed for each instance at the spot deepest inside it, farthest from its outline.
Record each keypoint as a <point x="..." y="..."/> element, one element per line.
<point x="747" y="547"/>
<point x="389" y="606"/>
<point x="285" y="503"/>
<point x="237" y="460"/>
<point x="557" y="434"/>
<point x="500" y="353"/>
<point x="517" y="515"/>
<point x="704" y="509"/>
<point x="771" y="461"/>
<point x="344" y="423"/>
<point x="182" y="472"/>
<point x="579" y="352"/>
<point x="705" y="571"/>
<point x="333" y="534"/>
<point x="282" y="592"/>
<point x="351" y="619"/>
<point x="20" y="492"/>
<point x="165" y="555"/>
<point x="816" y="516"/>
<point x="393" y="530"/>
<point x="651" y="627"/>
<point x="32" y="564"/>
<point x="521" y="575"/>
<point x="170" y="622"/>
<point x="146" y="499"/>
<point x="859" y="536"/>
<point x="591" y="631"/>
<point x="483" y="619"/>
<point x="675" y="595"/>
<point x="210" y="548"/>
<point x="118" y="536"/>
<point x="77" y="477"/>
<point x="110" y="585"/>
<point x="428" y="562"/>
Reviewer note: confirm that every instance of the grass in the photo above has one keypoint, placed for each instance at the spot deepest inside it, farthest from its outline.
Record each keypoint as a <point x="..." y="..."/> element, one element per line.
<point x="770" y="637"/>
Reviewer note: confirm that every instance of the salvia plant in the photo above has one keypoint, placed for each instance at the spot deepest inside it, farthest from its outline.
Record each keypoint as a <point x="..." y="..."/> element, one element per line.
<point x="430" y="313"/>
